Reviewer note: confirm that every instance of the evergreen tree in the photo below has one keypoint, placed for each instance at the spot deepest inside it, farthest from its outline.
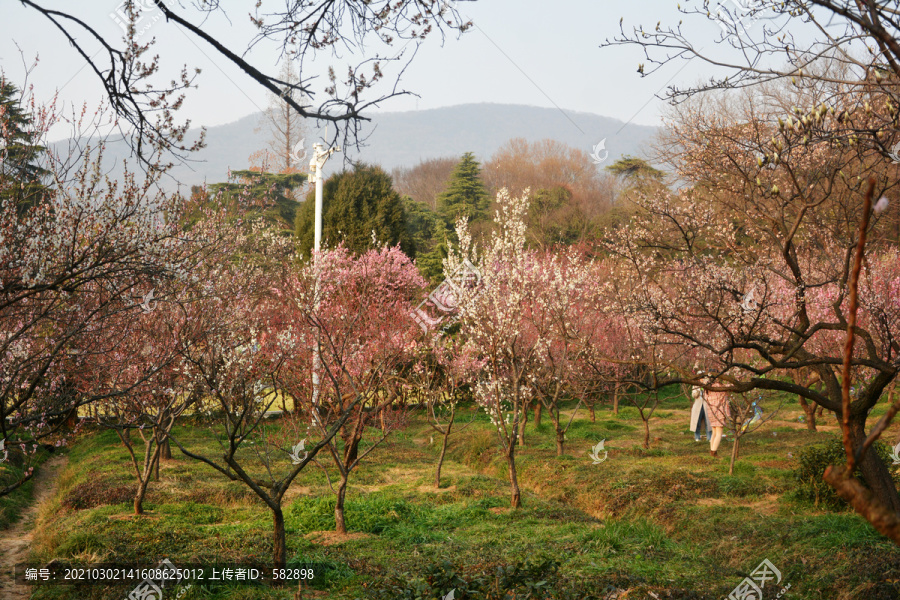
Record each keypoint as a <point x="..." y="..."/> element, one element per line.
<point x="21" y="176"/>
<point x="465" y="195"/>
<point x="255" y="194"/>
<point x="354" y="204"/>
<point x="631" y="168"/>
<point x="427" y="234"/>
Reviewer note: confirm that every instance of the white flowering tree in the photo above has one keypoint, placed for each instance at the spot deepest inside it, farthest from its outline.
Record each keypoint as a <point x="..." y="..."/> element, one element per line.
<point x="491" y="319"/>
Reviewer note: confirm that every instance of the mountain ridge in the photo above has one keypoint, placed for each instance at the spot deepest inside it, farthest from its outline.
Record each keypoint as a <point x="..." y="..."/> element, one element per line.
<point x="405" y="138"/>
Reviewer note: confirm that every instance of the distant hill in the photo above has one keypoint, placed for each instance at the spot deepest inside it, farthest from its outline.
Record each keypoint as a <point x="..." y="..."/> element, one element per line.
<point x="401" y="139"/>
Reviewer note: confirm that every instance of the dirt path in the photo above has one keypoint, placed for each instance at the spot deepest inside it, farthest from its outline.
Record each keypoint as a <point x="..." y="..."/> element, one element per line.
<point x="15" y="542"/>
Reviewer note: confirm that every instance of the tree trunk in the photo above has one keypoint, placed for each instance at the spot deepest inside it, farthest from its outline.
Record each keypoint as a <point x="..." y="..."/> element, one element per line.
<point x="141" y="493"/>
<point x="144" y="482"/>
<point x="516" y="499"/>
<point x="437" y="473"/>
<point x="166" y="449"/>
<point x="339" y="525"/>
<point x="593" y="416"/>
<point x="537" y="415"/>
<point x="616" y="399"/>
<point x="522" y="425"/>
<point x="279" y="548"/>
<point x="560" y="439"/>
<point x="874" y="471"/>
<point x="646" y="433"/>
<point x="351" y="451"/>
<point x="810" y="412"/>
<point x="734" y="453"/>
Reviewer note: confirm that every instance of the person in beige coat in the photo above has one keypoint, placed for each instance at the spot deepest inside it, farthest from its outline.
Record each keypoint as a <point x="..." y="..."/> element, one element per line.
<point x="699" y="415"/>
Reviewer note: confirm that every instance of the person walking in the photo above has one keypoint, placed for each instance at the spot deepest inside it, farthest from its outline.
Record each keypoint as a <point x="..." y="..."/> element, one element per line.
<point x="719" y="413"/>
<point x="699" y="411"/>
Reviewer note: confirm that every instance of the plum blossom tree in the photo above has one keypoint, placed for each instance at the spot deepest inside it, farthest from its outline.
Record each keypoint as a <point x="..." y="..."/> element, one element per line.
<point x="747" y="267"/>
<point x="235" y="361"/>
<point x="358" y="310"/>
<point x="560" y="318"/>
<point x="490" y="317"/>
<point x="445" y="371"/>
<point x="72" y="270"/>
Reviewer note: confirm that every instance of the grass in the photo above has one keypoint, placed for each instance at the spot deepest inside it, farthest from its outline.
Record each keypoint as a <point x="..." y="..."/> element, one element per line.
<point x="12" y="470"/>
<point x="668" y="520"/>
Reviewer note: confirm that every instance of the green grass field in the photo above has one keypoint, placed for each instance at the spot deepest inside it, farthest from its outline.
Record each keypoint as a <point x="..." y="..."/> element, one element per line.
<point x="668" y="522"/>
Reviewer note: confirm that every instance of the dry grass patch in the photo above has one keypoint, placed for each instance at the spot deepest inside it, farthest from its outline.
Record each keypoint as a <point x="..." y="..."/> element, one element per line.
<point x="333" y="538"/>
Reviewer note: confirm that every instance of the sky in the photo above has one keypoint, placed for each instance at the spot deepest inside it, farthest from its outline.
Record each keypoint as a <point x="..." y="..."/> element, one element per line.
<point x="529" y="52"/>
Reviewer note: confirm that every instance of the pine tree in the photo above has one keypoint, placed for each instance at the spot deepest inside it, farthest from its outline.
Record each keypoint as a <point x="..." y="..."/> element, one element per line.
<point x="255" y="194"/>
<point x="21" y="176"/>
<point x="354" y="204"/>
<point x="465" y="195"/>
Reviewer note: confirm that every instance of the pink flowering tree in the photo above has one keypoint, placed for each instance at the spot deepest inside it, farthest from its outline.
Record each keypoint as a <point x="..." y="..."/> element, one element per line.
<point x="358" y="310"/>
<point x="234" y="357"/>
<point x="747" y="267"/>
<point x="445" y="371"/>
<point x="559" y="319"/>
<point x="73" y="269"/>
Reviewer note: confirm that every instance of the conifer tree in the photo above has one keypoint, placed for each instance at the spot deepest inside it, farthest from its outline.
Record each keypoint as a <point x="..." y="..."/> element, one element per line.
<point x="465" y="195"/>
<point x="354" y="205"/>
<point x="21" y="176"/>
<point x="252" y="194"/>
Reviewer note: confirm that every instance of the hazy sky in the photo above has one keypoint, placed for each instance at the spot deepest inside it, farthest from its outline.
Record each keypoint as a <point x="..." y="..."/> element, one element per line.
<point x="524" y="51"/>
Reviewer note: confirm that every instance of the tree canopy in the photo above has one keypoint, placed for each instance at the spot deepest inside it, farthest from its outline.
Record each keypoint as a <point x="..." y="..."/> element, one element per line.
<point x="259" y="194"/>
<point x="466" y="195"/>
<point x="22" y="178"/>
<point x="355" y="204"/>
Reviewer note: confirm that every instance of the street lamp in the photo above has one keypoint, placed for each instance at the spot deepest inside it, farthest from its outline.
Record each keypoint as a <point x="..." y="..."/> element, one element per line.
<point x="320" y="156"/>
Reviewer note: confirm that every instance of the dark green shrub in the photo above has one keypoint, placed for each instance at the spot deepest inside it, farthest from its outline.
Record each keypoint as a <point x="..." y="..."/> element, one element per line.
<point x="813" y="461"/>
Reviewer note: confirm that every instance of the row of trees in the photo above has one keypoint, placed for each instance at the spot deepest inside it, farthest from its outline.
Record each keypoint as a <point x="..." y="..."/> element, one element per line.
<point x="754" y="269"/>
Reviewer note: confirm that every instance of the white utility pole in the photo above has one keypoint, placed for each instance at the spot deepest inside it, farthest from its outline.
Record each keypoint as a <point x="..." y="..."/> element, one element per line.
<point x="320" y="156"/>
